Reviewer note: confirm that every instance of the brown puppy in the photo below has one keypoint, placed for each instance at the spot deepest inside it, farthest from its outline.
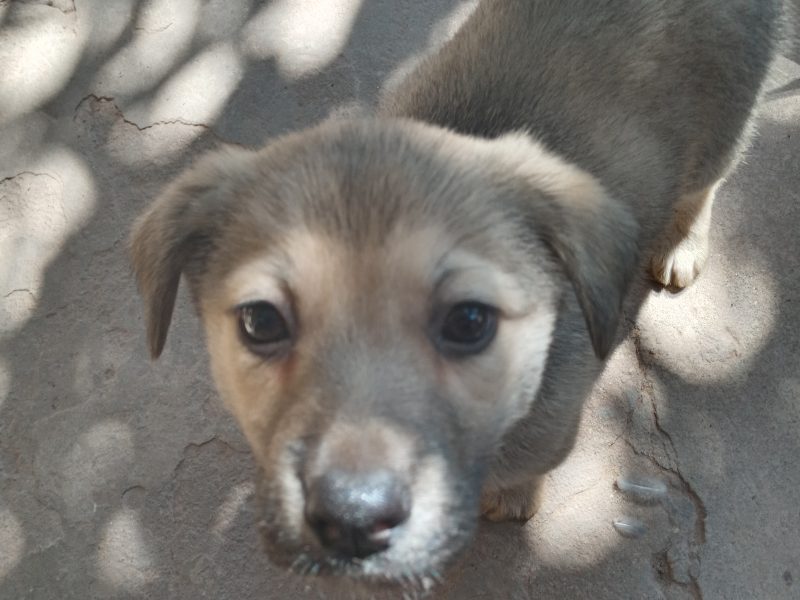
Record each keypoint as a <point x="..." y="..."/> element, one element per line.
<point x="406" y="313"/>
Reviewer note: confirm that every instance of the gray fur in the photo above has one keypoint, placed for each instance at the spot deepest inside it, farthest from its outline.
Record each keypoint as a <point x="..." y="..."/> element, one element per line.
<point x="653" y="97"/>
<point x="640" y="102"/>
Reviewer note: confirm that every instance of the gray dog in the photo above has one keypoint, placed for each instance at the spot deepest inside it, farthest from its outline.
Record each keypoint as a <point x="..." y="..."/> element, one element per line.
<point x="405" y="313"/>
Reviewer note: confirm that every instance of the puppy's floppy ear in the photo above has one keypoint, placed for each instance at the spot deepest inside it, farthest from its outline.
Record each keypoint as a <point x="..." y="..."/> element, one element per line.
<point x="175" y="228"/>
<point x="595" y="239"/>
<point x="594" y="236"/>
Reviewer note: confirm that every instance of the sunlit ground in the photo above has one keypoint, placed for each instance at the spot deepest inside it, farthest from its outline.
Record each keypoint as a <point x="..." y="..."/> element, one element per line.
<point x="121" y="478"/>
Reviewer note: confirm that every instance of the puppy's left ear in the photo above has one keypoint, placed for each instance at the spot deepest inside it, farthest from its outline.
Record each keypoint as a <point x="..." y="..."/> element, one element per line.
<point x="594" y="237"/>
<point x="177" y="230"/>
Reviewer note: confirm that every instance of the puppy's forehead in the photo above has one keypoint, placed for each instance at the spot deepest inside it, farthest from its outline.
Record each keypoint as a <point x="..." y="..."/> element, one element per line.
<point x="366" y="208"/>
<point x="313" y="261"/>
<point x="360" y="181"/>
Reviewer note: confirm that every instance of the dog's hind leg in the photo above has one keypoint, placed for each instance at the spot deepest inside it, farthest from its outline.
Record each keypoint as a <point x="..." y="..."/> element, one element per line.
<point x="681" y="253"/>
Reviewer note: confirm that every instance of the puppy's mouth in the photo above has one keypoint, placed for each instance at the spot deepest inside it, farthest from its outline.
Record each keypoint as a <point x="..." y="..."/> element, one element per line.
<point x="378" y="572"/>
<point x="374" y="539"/>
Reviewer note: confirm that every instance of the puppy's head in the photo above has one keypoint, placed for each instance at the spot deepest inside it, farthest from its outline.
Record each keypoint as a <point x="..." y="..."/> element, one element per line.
<point x="379" y="298"/>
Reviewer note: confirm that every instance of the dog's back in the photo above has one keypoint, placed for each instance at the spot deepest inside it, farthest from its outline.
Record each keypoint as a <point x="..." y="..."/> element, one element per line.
<point x="632" y="91"/>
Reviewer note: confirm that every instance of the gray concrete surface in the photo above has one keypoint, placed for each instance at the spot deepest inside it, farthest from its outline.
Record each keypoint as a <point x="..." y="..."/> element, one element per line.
<point x="125" y="479"/>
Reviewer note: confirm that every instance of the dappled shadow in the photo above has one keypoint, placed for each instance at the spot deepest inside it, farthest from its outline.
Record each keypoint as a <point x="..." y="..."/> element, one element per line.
<point x="754" y="412"/>
<point x="121" y="478"/>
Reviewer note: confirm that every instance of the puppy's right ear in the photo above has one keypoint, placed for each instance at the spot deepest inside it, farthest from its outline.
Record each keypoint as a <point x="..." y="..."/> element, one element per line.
<point x="176" y="229"/>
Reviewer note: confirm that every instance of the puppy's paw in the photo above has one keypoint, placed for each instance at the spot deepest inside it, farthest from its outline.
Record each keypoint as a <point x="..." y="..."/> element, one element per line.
<point x="681" y="254"/>
<point x="519" y="503"/>
<point x="677" y="263"/>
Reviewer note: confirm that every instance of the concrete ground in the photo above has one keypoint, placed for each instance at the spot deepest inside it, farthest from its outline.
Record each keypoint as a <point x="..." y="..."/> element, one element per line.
<point x="121" y="478"/>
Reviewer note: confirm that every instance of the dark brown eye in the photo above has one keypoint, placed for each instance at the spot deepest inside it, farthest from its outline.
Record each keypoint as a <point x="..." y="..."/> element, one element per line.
<point x="262" y="326"/>
<point x="468" y="328"/>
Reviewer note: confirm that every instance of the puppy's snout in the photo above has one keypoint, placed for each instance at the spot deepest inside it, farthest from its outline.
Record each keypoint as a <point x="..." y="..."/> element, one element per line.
<point x="353" y="514"/>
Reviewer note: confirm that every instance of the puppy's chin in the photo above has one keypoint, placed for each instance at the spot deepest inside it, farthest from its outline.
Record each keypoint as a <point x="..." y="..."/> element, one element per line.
<point x="420" y="552"/>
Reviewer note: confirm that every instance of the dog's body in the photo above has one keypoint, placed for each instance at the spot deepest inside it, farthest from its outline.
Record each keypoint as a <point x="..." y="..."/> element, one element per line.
<point x="406" y="313"/>
<point x="654" y="98"/>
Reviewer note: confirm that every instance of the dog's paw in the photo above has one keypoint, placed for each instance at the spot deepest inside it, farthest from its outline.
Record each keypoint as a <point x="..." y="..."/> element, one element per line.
<point x="681" y="254"/>
<point x="677" y="263"/>
<point x="512" y="504"/>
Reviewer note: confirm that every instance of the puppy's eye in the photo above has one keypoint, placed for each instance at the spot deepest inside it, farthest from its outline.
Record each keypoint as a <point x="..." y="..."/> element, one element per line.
<point x="262" y="325"/>
<point x="468" y="328"/>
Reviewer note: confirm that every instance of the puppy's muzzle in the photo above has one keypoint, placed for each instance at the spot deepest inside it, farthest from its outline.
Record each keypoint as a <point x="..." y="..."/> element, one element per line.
<point x="356" y="514"/>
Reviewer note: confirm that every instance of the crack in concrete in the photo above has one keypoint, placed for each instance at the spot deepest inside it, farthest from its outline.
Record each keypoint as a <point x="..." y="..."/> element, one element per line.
<point x="157" y="30"/>
<point x="687" y="487"/>
<point x="20" y="291"/>
<point x="196" y="446"/>
<point x="32" y="174"/>
<point x="118" y="111"/>
<point x="132" y="488"/>
<point x="668" y="577"/>
<point x="65" y="7"/>
<point x="110" y="100"/>
<point x="700" y="512"/>
<point x="662" y="566"/>
<point x="648" y="390"/>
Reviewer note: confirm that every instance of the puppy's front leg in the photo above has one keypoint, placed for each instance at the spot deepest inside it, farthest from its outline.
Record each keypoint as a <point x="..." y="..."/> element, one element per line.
<point x="518" y="503"/>
<point x="682" y="251"/>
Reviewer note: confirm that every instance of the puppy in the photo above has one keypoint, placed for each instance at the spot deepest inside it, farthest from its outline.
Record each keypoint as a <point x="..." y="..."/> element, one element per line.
<point x="406" y="312"/>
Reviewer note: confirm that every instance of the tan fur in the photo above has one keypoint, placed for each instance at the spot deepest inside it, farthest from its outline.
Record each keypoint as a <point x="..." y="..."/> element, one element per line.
<point x="518" y="503"/>
<point x="330" y="296"/>
<point x="680" y="255"/>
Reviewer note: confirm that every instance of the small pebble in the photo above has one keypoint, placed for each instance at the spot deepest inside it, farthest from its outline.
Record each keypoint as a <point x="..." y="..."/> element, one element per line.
<point x="644" y="490"/>
<point x="629" y="527"/>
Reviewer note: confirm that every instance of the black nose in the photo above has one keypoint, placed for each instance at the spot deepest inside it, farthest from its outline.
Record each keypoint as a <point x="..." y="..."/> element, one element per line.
<point x="353" y="514"/>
